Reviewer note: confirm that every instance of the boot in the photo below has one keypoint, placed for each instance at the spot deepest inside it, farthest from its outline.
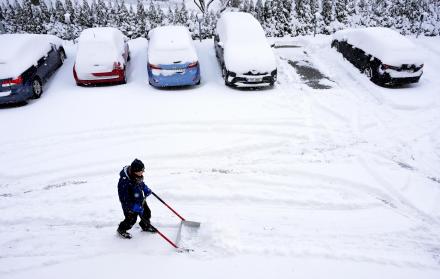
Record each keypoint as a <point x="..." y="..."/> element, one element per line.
<point x="124" y="234"/>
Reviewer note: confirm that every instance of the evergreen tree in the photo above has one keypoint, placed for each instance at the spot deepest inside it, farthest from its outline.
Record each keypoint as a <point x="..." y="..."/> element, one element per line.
<point x="327" y="15"/>
<point x="59" y="12"/>
<point x="282" y="14"/>
<point x="141" y="17"/>
<point x="69" y="9"/>
<point x="269" y="18"/>
<point x="102" y="13"/>
<point x="181" y="16"/>
<point x="305" y="17"/>
<point x="364" y="9"/>
<point x="341" y="10"/>
<point x="259" y="11"/>
<point x="44" y="12"/>
<point x="85" y="18"/>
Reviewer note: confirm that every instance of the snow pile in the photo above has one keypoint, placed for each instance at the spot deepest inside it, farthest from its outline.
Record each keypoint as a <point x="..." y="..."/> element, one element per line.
<point x="245" y="45"/>
<point x="383" y="43"/>
<point x="290" y="182"/>
<point x="98" y="49"/>
<point x="21" y="51"/>
<point x="171" y="44"/>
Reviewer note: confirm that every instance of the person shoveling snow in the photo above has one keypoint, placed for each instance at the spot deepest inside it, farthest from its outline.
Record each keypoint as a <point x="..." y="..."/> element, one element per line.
<point x="132" y="192"/>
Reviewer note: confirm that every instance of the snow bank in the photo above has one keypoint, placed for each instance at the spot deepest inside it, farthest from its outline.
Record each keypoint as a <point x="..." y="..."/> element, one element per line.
<point x="98" y="49"/>
<point x="169" y="44"/>
<point x="245" y="44"/>
<point x="21" y="51"/>
<point x="383" y="43"/>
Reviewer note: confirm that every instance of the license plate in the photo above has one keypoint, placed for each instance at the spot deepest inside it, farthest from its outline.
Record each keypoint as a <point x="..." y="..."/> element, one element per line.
<point x="4" y="94"/>
<point x="255" y="79"/>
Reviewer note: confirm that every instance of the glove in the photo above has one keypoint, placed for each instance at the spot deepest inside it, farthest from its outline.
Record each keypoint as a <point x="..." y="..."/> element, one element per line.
<point x="138" y="209"/>
<point x="147" y="191"/>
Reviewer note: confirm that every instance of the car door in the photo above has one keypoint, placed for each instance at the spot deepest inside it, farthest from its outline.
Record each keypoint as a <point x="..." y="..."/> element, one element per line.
<point x="53" y="59"/>
<point x="219" y="49"/>
<point x="43" y="67"/>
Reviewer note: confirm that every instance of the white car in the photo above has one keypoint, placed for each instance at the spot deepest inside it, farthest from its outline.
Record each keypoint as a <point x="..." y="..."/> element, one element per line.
<point x="102" y="56"/>
<point x="245" y="56"/>
<point x="382" y="54"/>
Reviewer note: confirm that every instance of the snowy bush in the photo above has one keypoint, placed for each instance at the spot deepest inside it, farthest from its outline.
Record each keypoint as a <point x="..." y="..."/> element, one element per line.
<point x="278" y="17"/>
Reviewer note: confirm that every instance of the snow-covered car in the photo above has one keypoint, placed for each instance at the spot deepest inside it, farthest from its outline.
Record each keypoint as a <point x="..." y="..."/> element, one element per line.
<point x="382" y="54"/>
<point x="244" y="54"/>
<point x="102" y="57"/>
<point x="26" y="63"/>
<point x="172" y="58"/>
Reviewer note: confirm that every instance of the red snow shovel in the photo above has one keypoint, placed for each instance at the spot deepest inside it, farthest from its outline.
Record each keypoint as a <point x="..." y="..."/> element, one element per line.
<point x="183" y="223"/>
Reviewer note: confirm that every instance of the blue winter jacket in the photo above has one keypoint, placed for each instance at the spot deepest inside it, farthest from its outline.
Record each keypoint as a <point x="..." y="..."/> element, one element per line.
<point x="129" y="192"/>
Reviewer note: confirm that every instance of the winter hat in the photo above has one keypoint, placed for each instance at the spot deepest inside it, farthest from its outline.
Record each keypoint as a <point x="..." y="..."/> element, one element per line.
<point x="137" y="166"/>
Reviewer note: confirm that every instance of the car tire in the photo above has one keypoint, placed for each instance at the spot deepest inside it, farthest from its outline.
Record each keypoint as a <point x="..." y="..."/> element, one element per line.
<point x="225" y="75"/>
<point x="124" y="80"/>
<point x="335" y="44"/>
<point x="368" y="72"/>
<point x="62" y="56"/>
<point x="37" y="89"/>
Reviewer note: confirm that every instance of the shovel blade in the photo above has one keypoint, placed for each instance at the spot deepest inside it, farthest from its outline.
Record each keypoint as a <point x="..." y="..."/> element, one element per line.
<point x="188" y="224"/>
<point x="191" y="224"/>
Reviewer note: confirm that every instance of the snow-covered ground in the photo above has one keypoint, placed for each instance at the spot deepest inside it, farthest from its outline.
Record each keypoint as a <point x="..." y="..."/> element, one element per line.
<point x="290" y="182"/>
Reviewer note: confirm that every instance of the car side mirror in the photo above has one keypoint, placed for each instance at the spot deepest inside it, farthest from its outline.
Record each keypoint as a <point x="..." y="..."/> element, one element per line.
<point x="221" y="44"/>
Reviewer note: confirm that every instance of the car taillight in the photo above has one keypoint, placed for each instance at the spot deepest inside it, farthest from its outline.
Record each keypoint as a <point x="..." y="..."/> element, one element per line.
<point x="192" y="65"/>
<point x="152" y="66"/>
<point x="117" y="66"/>
<point x="12" y="82"/>
<point x="386" y="66"/>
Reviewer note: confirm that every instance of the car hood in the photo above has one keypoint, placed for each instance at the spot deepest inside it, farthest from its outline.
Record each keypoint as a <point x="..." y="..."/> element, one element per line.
<point x="242" y="58"/>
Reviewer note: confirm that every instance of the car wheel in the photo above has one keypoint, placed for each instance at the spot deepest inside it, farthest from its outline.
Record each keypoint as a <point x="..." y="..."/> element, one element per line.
<point x="368" y="71"/>
<point x="225" y="75"/>
<point x="124" y="80"/>
<point x="335" y="44"/>
<point x="62" y="56"/>
<point x="37" y="88"/>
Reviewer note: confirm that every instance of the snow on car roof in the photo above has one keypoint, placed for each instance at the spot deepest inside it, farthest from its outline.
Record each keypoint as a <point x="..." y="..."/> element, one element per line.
<point x="21" y="51"/>
<point x="169" y="44"/>
<point x="383" y="43"/>
<point x="172" y="37"/>
<point x="239" y="27"/>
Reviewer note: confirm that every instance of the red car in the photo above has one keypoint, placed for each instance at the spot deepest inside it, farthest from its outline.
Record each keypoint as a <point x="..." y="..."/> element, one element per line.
<point x="102" y="57"/>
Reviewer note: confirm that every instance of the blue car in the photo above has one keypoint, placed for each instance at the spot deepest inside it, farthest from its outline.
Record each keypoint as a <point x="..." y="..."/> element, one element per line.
<point x="172" y="58"/>
<point x="26" y="63"/>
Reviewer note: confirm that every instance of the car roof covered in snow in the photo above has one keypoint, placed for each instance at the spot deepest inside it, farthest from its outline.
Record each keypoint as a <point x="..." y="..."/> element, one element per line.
<point x="171" y="43"/>
<point x="21" y="51"/>
<point x="239" y="27"/>
<point x="102" y="35"/>
<point x="171" y="37"/>
<point x="245" y="45"/>
<point x="383" y="43"/>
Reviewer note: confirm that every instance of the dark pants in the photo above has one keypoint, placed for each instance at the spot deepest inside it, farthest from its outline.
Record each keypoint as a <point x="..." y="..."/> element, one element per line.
<point x="131" y="218"/>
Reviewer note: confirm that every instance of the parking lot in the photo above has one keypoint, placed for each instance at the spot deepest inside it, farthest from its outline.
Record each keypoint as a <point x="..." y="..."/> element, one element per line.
<point x="319" y="157"/>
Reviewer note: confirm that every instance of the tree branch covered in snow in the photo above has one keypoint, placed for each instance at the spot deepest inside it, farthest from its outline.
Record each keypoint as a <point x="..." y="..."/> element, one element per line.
<point x="278" y="17"/>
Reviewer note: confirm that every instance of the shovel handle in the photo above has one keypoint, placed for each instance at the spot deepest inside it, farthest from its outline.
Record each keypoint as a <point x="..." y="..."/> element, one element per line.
<point x="164" y="237"/>
<point x="154" y="194"/>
